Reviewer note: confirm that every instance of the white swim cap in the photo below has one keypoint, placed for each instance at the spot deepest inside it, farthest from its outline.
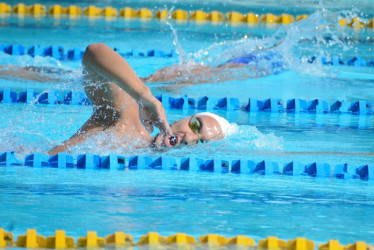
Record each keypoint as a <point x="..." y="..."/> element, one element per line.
<point x="227" y="128"/>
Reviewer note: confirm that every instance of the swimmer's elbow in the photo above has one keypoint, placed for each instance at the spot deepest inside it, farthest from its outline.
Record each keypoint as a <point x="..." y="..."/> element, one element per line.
<point x="94" y="50"/>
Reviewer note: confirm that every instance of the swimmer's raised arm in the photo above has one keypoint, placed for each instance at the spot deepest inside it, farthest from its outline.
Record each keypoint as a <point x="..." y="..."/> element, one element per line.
<point x="113" y="86"/>
<point x="105" y="62"/>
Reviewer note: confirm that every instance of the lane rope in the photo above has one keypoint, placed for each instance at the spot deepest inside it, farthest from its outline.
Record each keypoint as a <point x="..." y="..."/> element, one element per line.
<point x="213" y="17"/>
<point x="189" y="164"/>
<point x="153" y="239"/>
<point x="270" y="105"/>
<point x="61" y="53"/>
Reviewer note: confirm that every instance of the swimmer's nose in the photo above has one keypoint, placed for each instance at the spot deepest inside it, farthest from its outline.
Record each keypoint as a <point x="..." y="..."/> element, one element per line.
<point x="189" y="139"/>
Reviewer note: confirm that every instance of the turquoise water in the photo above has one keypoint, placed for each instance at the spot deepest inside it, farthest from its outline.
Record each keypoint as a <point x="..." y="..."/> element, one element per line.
<point x="198" y="203"/>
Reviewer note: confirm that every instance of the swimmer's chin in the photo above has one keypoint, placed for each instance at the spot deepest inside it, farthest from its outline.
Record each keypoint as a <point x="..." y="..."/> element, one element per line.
<point x="159" y="147"/>
<point x="158" y="144"/>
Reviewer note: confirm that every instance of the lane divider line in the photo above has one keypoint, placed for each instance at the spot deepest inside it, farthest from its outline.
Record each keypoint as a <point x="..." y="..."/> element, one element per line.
<point x="120" y="239"/>
<point x="189" y="164"/>
<point x="270" y="105"/>
<point x="214" y="16"/>
<point x="61" y="53"/>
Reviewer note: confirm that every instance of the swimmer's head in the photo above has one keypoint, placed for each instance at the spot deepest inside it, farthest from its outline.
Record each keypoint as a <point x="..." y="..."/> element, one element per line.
<point x="200" y="128"/>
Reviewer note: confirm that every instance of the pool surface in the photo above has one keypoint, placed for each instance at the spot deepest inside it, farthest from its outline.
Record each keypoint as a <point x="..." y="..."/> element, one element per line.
<point x="195" y="203"/>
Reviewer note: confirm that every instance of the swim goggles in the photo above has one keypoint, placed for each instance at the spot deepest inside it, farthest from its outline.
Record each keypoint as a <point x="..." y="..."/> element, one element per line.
<point x="195" y="126"/>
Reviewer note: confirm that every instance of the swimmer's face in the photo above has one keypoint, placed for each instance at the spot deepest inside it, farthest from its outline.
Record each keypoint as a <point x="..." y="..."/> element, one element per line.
<point x="190" y="131"/>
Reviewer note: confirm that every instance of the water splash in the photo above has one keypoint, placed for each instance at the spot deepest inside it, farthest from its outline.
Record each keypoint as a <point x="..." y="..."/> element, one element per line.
<point x="182" y="54"/>
<point x="319" y="35"/>
<point x="27" y="128"/>
<point x="26" y="60"/>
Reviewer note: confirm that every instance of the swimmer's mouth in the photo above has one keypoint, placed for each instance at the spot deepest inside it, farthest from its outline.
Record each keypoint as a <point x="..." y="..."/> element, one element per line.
<point x="168" y="142"/>
<point x="173" y="140"/>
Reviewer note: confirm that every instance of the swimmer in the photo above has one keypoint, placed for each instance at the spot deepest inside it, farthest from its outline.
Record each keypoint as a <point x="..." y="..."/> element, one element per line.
<point x="39" y="74"/>
<point x="242" y="67"/>
<point x="255" y="64"/>
<point x="123" y="104"/>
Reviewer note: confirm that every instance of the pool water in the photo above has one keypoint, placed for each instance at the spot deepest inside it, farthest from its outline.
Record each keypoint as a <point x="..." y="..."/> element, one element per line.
<point x="198" y="203"/>
<point x="195" y="203"/>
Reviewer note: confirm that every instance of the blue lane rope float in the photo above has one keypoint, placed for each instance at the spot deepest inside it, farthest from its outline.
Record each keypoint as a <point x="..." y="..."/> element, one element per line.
<point x="51" y="97"/>
<point x="270" y="105"/>
<point x="191" y="164"/>
<point x="153" y="239"/>
<point x="60" y="53"/>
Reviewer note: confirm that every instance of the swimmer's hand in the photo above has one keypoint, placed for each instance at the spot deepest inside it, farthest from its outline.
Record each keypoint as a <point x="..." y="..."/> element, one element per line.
<point x="152" y="113"/>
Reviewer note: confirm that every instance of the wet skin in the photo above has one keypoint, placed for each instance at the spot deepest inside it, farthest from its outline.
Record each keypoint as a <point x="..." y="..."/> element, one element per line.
<point x="123" y="105"/>
<point x="209" y="130"/>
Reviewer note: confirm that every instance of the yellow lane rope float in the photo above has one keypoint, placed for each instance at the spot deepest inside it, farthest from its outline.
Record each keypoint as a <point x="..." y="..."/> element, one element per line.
<point x="120" y="239"/>
<point x="143" y="13"/>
